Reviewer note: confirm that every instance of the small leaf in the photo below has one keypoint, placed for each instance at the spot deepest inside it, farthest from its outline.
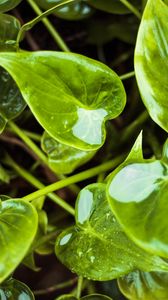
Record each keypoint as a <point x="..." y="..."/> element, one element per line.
<point x="136" y="151"/>
<point x="96" y="247"/>
<point x="18" y="226"/>
<point x="72" y="11"/>
<point x="140" y="202"/>
<point x="151" y="57"/>
<point x="6" y="5"/>
<point x="62" y="158"/>
<point x="112" y="6"/>
<point x="149" y="286"/>
<point x="14" y="290"/>
<point x="11" y="100"/>
<point x="90" y="297"/>
<point x="9" y="28"/>
<point x="74" y="100"/>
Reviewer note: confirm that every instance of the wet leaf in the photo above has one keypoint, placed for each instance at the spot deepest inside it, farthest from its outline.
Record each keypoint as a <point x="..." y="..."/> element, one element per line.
<point x="140" y="203"/>
<point x="72" y="11"/>
<point x="96" y="247"/>
<point x="9" y="28"/>
<point x="75" y="99"/>
<point x="18" y="226"/>
<point x="15" y="290"/>
<point x="140" y="285"/>
<point x="151" y="60"/>
<point x="62" y="158"/>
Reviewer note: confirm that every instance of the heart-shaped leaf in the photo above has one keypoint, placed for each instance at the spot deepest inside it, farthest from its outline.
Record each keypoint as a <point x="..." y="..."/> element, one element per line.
<point x="70" y="95"/>
<point x="140" y="285"/>
<point x="63" y="158"/>
<point x="151" y="60"/>
<point x="72" y="11"/>
<point x="9" y="28"/>
<point x="6" y="5"/>
<point x="137" y="192"/>
<point x="97" y="247"/>
<point x="15" y="290"/>
<point x="18" y="226"/>
<point x="90" y="297"/>
<point x="11" y="100"/>
<point x="112" y="6"/>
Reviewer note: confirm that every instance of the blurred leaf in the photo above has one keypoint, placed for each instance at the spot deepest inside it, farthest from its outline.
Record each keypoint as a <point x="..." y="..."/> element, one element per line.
<point x="13" y="289"/>
<point x="6" y="5"/>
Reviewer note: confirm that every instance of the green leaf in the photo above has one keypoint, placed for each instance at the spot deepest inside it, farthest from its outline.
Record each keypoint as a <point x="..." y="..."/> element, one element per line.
<point x="142" y="197"/>
<point x="90" y="297"/>
<point x="96" y="247"/>
<point x="14" y="290"/>
<point x="11" y="100"/>
<point x="6" y="5"/>
<point x="72" y="11"/>
<point x="70" y="95"/>
<point x="112" y="6"/>
<point x="149" y="286"/>
<point x="62" y="158"/>
<point x="18" y="226"/>
<point x="9" y="28"/>
<point x="151" y="60"/>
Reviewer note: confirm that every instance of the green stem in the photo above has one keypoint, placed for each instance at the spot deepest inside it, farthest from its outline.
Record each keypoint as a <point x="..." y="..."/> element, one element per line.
<point x="127" y="75"/>
<point x="130" y="129"/>
<point x="56" y="287"/>
<point x="132" y="8"/>
<point x="41" y="16"/>
<point x="28" y="142"/>
<point x="32" y="135"/>
<point x="79" y="287"/>
<point x="36" y="183"/>
<point x="76" y="178"/>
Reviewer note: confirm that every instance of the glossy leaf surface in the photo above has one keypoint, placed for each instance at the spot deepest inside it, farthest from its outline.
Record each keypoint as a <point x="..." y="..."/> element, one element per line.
<point x="63" y="158"/>
<point x="90" y="297"/>
<point x="15" y="290"/>
<point x="142" y="197"/>
<point x="96" y="247"/>
<point x="151" y="57"/>
<point x="112" y="6"/>
<point x="70" y="95"/>
<point x="149" y="286"/>
<point x="6" y="5"/>
<point x="11" y="100"/>
<point x="18" y="225"/>
<point x="72" y="11"/>
<point x="9" y="28"/>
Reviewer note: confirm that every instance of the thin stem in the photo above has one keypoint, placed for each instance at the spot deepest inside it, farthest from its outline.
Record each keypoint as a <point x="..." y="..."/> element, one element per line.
<point x="28" y="142"/>
<point x="76" y="178"/>
<point x="56" y="287"/>
<point x="32" y="135"/>
<point x="49" y="26"/>
<point x="132" y="8"/>
<point x="79" y="287"/>
<point x="36" y="183"/>
<point x="127" y="75"/>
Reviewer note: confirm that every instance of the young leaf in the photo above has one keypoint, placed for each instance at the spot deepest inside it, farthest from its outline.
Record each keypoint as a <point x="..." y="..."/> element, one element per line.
<point x="9" y="28"/>
<point x="6" y="5"/>
<point x="112" y="6"/>
<point x="90" y="297"/>
<point x="70" y="95"/>
<point x="62" y="158"/>
<point x="11" y="100"/>
<point x="14" y="290"/>
<point x="151" y="56"/>
<point x="72" y="11"/>
<point x="18" y="226"/>
<point x="140" y="203"/>
<point x="96" y="247"/>
<point x="149" y="286"/>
